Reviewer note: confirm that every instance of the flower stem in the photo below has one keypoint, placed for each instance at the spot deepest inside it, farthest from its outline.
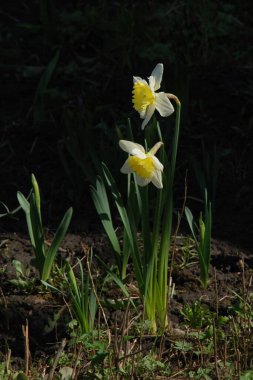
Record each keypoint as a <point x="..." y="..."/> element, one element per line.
<point x="167" y="223"/>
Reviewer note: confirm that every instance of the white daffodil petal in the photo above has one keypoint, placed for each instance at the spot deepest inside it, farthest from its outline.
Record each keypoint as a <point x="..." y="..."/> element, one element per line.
<point x="150" y="110"/>
<point x="152" y="83"/>
<point x="157" y="164"/>
<point x="139" y="154"/>
<point x="132" y="148"/>
<point x="157" y="179"/>
<point x="126" y="168"/>
<point x="139" y="79"/>
<point x="142" y="181"/>
<point x="157" y="74"/>
<point x="163" y="104"/>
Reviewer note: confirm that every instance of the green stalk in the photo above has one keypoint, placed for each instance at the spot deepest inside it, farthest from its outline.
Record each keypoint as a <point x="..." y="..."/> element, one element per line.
<point x="130" y="206"/>
<point x="156" y="230"/>
<point x="145" y="226"/>
<point x="205" y="243"/>
<point x="126" y="248"/>
<point x="159" y="206"/>
<point x="150" y="298"/>
<point x="125" y="256"/>
<point x="167" y="226"/>
<point x="150" y="277"/>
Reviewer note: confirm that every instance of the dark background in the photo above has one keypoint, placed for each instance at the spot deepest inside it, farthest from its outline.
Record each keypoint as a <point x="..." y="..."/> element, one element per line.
<point x="66" y="81"/>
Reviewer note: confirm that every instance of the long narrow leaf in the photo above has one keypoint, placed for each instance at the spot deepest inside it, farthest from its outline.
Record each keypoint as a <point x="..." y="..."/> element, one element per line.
<point x="92" y="308"/>
<point x="25" y="205"/>
<point x="42" y="86"/>
<point x="101" y="203"/>
<point x="36" y="191"/>
<point x="117" y="280"/>
<point x="72" y="280"/>
<point x="79" y="297"/>
<point x="46" y="76"/>
<point x="190" y="221"/>
<point x="38" y="235"/>
<point x="59" y="236"/>
<point x="125" y="220"/>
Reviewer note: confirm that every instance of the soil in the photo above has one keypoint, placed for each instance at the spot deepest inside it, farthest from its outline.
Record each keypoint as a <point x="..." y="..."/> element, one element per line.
<point x="230" y="266"/>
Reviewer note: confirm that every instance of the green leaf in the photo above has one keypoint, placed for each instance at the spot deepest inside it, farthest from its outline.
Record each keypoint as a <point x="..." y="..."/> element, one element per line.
<point x="202" y="229"/>
<point x="25" y="205"/>
<point x="36" y="191"/>
<point x="101" y="203"/>
<point x="19" y="267"/>
<point x="190" y="221"/>
<point x="127" y="225"/>
<point x="59" y="236"/>
<point x="47" y="75"/>
<point x="38" y="235"/>
<point x="47" y="285"/>
<point x="42" y="86"/>
<point x="117" y="280"/>
<point x="92" y="307"/>
<point x="80" y="298"/>
<point x="72" y="280"/>
<point x="247" y="375"/>
<point x="204" y="246"/>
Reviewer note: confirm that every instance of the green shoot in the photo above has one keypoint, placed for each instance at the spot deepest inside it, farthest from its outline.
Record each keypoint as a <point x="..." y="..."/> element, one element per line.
<point x="203" y="241"/>
<point x="44" y="257"/>
<point x="83" y="299"/>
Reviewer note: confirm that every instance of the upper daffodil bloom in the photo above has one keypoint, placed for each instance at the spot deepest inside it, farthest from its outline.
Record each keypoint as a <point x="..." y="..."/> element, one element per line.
<point x="146" y="100"/>
<point x="145" y="165"/>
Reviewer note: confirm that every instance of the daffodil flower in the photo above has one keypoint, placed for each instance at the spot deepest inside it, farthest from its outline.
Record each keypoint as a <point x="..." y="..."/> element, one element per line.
<point x="146" y="100"/>
<point x="146" y="166"/>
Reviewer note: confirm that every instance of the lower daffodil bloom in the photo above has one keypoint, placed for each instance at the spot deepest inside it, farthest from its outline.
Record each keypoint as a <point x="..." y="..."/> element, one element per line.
<point x="146" y="100"/>
<point x="146" y="166"/>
